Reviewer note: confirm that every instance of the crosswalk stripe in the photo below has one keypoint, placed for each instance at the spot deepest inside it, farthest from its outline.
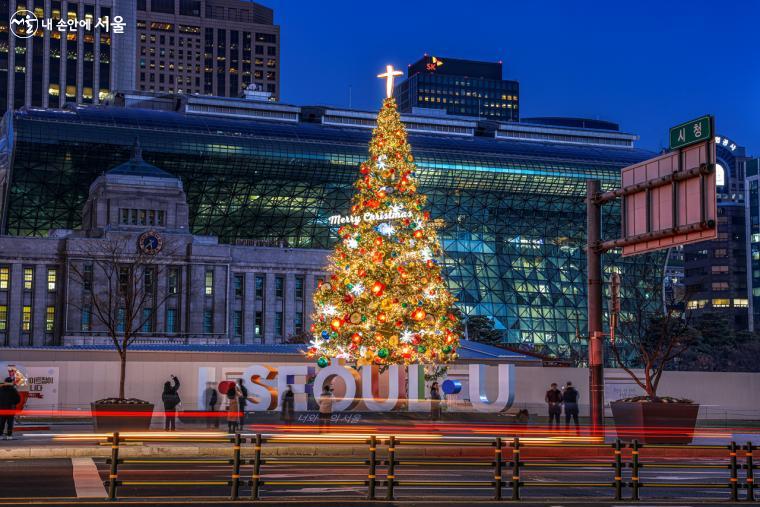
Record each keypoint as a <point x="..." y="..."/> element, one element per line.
<point x="87" y="480"/>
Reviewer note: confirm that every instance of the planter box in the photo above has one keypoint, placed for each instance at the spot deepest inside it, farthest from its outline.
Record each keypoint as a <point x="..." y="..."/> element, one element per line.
<point x="123" y="417"/>
<point x="655" y="423"/>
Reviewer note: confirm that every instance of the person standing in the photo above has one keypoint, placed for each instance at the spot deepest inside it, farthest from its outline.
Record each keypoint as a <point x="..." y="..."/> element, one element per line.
<point x="553" y="400"/>
<point x="288" y="405"/>
<point x="9" y="399"/>
<point x="212" y="399"/>
<point x="243" y="400"/>
<point x="233" y="409"/>
<point x="570" y="398"/>
<point x="171" y="399"/>
<point x="435" y="402"/>
<point x="325" y="408"/>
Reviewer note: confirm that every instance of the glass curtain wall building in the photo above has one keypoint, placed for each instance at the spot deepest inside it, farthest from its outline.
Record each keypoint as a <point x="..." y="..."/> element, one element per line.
<point x="514" y="209"/>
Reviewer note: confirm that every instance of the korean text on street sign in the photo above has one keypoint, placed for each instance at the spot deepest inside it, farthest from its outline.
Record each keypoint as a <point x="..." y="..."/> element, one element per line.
<point x="694" y="131"/>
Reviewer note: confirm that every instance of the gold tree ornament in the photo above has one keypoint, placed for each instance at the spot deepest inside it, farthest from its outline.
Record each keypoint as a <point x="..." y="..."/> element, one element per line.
<point x="385" y="301"/>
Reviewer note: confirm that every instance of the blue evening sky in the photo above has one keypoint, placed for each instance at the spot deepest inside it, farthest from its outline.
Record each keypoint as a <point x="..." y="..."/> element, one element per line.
<point x="645" y="64"/>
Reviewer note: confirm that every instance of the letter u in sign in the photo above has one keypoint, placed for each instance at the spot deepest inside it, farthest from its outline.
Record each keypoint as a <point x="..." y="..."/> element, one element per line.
<point x="506" y="388"/>
<point x="371" y="388"/>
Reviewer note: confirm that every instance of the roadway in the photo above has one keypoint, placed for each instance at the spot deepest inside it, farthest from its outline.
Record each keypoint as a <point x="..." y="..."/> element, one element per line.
<point x="57" y="478"/>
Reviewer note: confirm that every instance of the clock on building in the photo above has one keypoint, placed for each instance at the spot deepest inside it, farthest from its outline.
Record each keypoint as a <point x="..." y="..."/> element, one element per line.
<point x="150" y="242"/>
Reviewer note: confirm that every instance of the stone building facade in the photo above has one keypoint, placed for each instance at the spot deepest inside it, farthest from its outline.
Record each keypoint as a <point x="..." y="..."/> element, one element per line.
<point x="200" y="291"/>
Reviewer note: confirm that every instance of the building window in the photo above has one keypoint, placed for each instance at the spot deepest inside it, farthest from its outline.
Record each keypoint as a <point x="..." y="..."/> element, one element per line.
<point x="28" y="278"/>
<point x="279" y="286"/>
<point x="278" y="323"/>
<point x="5" y="277"/>
<point x="209" y="282"/>
<point x="259" y="287"/>
<point x="147" y="315"/>
<point x="87" y="319"/>
<point x="50" y="319"/>
<point x="120" y="320"/>
<point x="148" y="280"/>
<point x="299" y="287"/>
<point x="719" y="270"/>
<point x="172" y="280"/>
<point x="123" y="279"/>
<point x="721" y="303"/>
<point x="51" y="276"/>
<point x="259" y="324"/>
<point x="238" y="284"/>
<point x="237" y="323"/>
<point x="208" y="321"/>
<point x="719" y="286"/>
<point x="720" y="253"/>
<point x="3" y="317"/>
<point x="87" y="277"/>
<point x="26" y="319"/>
<point x="171" y="320"/>
<point x="298" y="323"/>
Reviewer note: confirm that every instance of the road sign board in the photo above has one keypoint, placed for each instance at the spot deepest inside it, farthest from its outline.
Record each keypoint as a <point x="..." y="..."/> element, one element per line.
<point x="694" y="131"/>
<point x="669" y="200"/>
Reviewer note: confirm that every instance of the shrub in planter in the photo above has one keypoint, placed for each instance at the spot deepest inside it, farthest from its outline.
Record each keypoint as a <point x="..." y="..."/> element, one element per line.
<point x="653" y="341"/>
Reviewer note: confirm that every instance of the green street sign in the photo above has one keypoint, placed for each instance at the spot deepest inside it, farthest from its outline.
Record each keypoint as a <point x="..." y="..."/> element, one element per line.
<point x="694" y="131"/>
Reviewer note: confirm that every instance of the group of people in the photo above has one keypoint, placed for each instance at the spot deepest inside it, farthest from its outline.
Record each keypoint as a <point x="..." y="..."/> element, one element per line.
<point x="237" y="399"/>
<point x="556" y="398"/>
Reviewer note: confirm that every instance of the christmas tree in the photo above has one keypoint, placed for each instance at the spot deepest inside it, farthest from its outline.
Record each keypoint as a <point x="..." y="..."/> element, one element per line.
<point x="385" y="301"/>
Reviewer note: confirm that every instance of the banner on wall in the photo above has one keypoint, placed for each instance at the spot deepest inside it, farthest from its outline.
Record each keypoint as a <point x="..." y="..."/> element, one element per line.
<point x="43" y="383"/>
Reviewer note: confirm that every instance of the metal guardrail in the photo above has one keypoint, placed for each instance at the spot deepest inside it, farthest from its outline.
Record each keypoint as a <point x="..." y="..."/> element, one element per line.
<point x="502" y="455"/>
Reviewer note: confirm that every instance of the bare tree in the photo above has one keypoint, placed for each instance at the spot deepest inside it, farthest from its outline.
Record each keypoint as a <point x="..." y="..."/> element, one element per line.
<point x="651" y="335"/>
<point x="119" y="286"/>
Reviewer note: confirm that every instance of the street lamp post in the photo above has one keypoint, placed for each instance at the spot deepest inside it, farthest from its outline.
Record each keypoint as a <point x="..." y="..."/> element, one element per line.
<point x="594" y="297"/>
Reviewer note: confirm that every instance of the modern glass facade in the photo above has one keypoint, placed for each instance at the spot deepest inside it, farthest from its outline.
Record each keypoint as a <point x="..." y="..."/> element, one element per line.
<point x="514" y="210"/>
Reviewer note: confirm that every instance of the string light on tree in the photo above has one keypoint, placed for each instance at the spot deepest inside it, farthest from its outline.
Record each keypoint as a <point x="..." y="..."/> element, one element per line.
<point x="386" y="301"/>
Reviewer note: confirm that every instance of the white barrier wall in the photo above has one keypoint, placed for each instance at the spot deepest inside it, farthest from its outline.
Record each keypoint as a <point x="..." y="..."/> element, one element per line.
<point x="89" y="376"/>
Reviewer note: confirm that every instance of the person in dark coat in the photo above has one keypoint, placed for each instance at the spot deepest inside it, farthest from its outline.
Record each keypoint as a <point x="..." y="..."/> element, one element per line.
<point x="243" y="401"/>
<point x="9" y="398"/>
<point x="212" y="400"/>
<point x="570" y="400"/>
<point x="553" y="400"/>
<point x="171" y="399"/>
<point x="288" y="405"/>
<point x="435" y="402"/>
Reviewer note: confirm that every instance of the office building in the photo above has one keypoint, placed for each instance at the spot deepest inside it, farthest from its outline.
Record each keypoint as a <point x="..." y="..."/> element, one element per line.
<point x="210" y="47"/>
<point x="460" y="87"/>
<point x="511" y="194"/>
<point x="715" y="272"/>
<point x="196" y="291"/>
<point x="752" y="227"/>
<point x="66" y="61"/>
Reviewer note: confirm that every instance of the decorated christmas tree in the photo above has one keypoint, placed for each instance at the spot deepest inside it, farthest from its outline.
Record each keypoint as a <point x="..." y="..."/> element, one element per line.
<point x="385" y="301"/>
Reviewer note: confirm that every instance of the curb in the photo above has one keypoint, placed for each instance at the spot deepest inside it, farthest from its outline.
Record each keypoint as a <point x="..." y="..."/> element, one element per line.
<point x="206" y="451"/>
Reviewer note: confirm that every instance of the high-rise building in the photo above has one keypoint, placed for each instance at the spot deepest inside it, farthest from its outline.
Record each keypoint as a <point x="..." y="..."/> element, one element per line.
<point x="461" y="87"/>
<point x="715" y="272"/>
<point x="69" y="54"/>
<point x="210" y="47"/>
<point x="752" y="227"/>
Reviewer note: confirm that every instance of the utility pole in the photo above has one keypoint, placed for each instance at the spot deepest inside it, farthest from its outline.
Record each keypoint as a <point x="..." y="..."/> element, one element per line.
<point x="594" y="290"/>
